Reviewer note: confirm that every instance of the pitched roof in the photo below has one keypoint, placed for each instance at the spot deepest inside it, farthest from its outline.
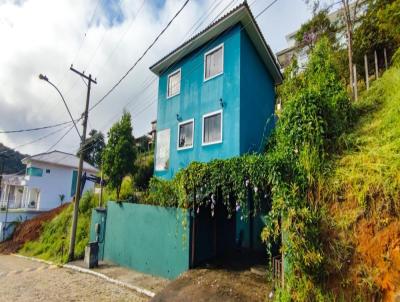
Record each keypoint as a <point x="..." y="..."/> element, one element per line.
<point x="61" y="159"/>
<point x="241" y="14"/>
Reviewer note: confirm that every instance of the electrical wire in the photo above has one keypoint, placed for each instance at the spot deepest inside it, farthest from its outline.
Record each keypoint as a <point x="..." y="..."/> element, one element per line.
<point x="259" y="14"/>
<point x="35" y="129"/>
<point x="140" y="58"/>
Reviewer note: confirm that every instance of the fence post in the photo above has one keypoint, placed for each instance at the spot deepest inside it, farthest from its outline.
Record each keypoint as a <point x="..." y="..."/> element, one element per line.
<point x="376" y="65"/>
<point x="385" y="56"/>
<point x="366" y="71"/>
<point x="355" y="82"/>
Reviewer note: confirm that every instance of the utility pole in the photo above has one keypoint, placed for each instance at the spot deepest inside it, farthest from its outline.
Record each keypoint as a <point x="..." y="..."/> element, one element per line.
<point x="77" y="198"/>
<point x="1" y="177"/>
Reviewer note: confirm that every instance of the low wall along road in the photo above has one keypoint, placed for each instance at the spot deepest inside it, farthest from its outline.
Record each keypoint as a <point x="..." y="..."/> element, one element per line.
<point x="146" y="238"/>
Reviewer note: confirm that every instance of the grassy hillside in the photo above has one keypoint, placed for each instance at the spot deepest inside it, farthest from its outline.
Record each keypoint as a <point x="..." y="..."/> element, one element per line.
<point x="54" y="241"/>
<point x="363" y="195"/>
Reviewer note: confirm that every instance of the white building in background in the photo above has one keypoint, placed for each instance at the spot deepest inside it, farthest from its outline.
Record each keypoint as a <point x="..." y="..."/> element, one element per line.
<point x="300" y="52"/>
<point x="50" y="180"/>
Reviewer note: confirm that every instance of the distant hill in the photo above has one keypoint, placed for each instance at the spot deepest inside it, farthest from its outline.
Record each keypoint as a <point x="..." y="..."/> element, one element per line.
<point x="12" y="160"/>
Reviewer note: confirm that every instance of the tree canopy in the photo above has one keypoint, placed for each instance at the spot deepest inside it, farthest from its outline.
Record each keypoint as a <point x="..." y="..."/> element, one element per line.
<point x="119" y="154"/>
<point x="93" y="148"/>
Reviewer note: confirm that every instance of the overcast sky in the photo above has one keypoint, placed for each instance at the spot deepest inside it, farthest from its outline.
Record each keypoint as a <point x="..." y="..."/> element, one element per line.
<point x="104" y="38"/>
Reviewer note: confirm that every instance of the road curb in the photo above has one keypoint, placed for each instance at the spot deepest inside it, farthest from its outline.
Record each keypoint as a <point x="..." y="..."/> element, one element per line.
<point x="36" y="259"/>
<point x="111" y="280"/>
<point x="138" y="289"/>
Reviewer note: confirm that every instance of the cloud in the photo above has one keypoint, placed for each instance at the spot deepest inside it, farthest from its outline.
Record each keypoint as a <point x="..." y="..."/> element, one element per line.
<point x="45" y="36"/>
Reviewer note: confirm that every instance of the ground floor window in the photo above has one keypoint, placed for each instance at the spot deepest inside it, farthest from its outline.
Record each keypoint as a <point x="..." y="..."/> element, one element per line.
<point x="185" y="134"/>
<point x="162" y="150"/>
<point x="212" y="128"/>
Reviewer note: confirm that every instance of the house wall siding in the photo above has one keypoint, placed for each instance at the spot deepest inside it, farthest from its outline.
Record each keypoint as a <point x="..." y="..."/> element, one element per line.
<point x="257" y="99"/>
<point x="197" y="98"/>
<point x="51" y="185"/>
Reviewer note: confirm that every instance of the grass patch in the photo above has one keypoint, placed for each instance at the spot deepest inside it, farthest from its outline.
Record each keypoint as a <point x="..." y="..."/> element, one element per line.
<point x="370" y="164"/>
<point x="363" y="197"/>
<point x="53" y="243"/>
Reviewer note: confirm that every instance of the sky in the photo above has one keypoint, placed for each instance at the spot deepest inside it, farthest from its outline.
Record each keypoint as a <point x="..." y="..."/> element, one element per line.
<point x="103" y="38"/>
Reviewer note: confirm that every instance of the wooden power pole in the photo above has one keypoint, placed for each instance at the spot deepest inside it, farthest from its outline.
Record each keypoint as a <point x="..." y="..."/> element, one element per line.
<point x="77" y="197"/>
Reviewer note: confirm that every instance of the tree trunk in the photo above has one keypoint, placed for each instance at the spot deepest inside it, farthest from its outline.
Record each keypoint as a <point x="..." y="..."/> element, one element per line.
<point x="349" y="34"/>
<point x="118" y="190"/>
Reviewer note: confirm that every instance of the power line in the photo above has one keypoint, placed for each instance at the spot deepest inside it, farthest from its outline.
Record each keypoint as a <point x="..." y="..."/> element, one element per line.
<point x="35" y="129"/>
<point x="84" y="37"/>
<point x="208" y="43"/>
<point x="35" y="140"/>
<point x="141" y="57"/>
<point x="121" y="37"/>
<point x="146" y="82"/>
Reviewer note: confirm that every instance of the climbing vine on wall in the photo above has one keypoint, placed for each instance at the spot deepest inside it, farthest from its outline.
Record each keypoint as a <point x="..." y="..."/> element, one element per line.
<point x="199" y="184"/>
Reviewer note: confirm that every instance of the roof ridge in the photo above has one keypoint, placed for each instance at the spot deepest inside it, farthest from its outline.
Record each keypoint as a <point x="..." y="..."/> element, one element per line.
<point x="181" y="51"/>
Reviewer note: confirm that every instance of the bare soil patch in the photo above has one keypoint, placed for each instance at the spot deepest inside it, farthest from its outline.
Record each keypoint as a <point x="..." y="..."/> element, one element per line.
<point x="29" y="230"/>
<point x="217" y="282"/>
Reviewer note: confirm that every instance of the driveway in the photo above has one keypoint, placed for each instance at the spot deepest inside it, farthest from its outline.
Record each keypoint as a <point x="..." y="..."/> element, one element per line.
<point x="25" y="280"/>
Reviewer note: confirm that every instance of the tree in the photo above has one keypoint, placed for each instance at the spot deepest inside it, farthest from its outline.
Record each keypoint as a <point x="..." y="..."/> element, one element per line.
<point x="144" y="168"/>
<point x="119" y="154"/>
<point x="379" y="29"/>
<point x="349" y="12"/>
<point x="93" y="147"/>
<point x="312" y="30"/>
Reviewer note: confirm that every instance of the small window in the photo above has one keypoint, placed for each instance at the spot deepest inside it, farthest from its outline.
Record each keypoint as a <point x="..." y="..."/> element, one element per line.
<point x="47" y="171"/>
<point x="185" y="134"/>
<point x="33" y="171"/>
<point x="174" y="84"/>
<point x="212" y="128"/>
<point x="214" y="62"/>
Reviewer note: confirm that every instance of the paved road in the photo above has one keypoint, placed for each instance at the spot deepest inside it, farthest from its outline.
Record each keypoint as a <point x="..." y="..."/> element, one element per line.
<point x="25" y="280"/>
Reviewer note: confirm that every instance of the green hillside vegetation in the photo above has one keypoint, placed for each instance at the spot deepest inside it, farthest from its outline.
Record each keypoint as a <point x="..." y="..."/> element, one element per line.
<point x="12" y="160"/>
<point x="362" y="193"/>
<point x="53" y="243"/>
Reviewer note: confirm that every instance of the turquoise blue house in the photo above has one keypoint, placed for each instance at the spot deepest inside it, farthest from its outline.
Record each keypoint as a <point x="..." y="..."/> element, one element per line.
<point x="216" y="99"/>
<point x="216" y="96"/>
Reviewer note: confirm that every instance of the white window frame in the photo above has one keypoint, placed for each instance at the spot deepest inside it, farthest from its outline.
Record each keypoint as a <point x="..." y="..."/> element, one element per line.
<point x="205" y="62"/>
<point x="179" y="127"/>
<point x="180" y="83"/>
<point x="222" y="127"/>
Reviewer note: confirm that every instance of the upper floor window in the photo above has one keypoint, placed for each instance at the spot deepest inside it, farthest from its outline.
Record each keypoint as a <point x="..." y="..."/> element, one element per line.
<point x="33" y="171"/>
<point x="174" y="84"/>
<point x="185" y="134"/>
<point x="212" y="128"/>
<point x="214" y="62"/>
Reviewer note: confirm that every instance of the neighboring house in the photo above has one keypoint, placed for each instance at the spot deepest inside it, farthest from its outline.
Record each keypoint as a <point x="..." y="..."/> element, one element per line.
<point x="300" y="51"/>
<point x="216" y="94"/>
<point x="153" y="133"/>
<point x="48" y="176"/>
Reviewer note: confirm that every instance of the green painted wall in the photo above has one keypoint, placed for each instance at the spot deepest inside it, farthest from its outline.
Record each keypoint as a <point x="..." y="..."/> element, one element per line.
<point x="147" y="238"/>
<point x="98" y="216"/>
